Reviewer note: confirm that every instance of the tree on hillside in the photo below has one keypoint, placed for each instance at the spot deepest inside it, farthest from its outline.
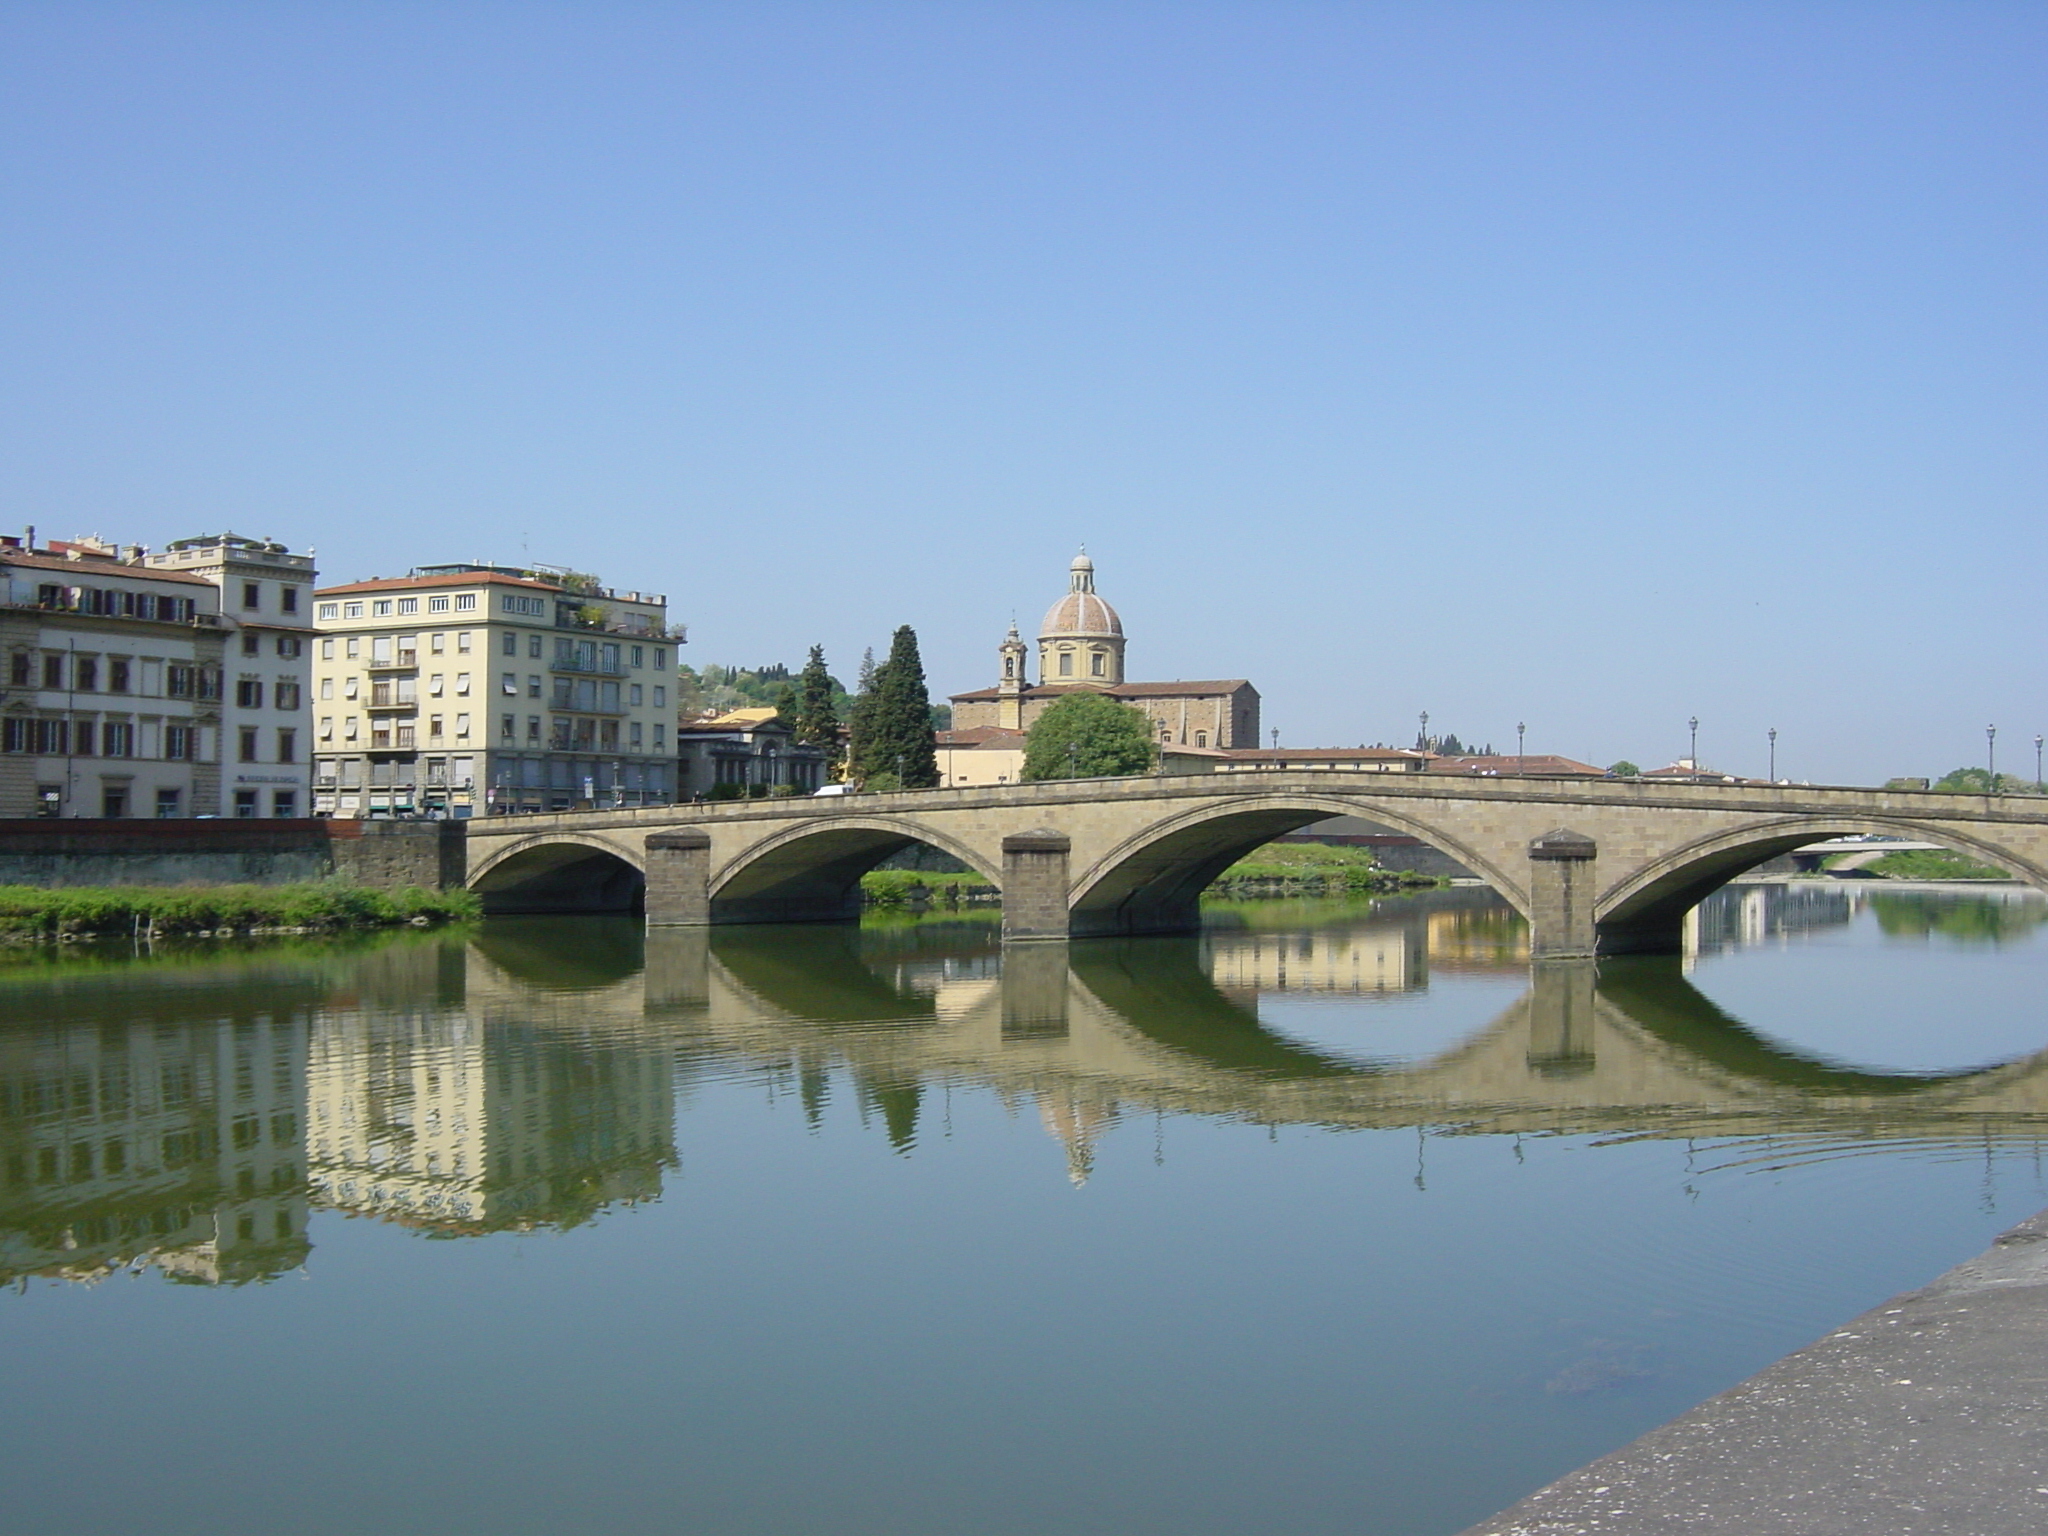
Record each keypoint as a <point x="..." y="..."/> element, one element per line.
<point x="892" y="721"/>
<point x="817" y="717"/>
<point x="1624" y="770"/>
<point x="1088" y="736"/>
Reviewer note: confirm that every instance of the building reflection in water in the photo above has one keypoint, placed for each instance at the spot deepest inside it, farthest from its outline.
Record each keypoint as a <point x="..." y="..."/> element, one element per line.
<point x="185" y="1115"/>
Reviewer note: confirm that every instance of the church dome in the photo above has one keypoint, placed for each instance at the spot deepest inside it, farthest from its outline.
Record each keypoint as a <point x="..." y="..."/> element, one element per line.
<point x="1081" y="615"/>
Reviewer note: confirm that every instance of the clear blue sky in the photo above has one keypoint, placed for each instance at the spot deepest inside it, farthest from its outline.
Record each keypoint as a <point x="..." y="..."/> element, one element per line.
<point x="1590" y="364"/>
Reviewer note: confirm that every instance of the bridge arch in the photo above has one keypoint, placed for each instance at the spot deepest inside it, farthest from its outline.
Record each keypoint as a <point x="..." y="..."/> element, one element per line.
<point x="1152" y="882"/>
<point x="811" y="873"/>
<point x="559" y="872"/>
<point x="1644" y="910"/>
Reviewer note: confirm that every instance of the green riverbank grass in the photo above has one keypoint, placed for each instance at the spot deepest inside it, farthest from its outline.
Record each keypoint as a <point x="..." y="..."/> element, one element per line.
<point x="29" y="913"/>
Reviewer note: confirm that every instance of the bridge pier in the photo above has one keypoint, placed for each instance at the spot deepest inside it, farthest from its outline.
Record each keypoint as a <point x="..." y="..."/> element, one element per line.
<point x="678" y="879"/>
<point x="1562" y="890"/>
<point x="1035" y="885"/>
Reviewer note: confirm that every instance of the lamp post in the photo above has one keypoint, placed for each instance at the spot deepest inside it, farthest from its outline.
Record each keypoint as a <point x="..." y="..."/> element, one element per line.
<point x="1073" y="760"/>
<point x="1694" y="759"/>
<point x="2037" y="761"/>
<point x="1991" y="755"/>
<point x="1773" y="734"/>
<point x="1276" y="738"/>
<point x="1422" y="740"/>
<point x="1521" y="730"/>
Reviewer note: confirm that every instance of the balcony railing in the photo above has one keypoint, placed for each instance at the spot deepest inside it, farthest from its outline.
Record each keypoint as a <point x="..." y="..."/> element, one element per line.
<point x="403" y="660"/>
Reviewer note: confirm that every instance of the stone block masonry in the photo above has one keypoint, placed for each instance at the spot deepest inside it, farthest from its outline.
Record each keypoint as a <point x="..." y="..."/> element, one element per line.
<point x="385" y="855"/>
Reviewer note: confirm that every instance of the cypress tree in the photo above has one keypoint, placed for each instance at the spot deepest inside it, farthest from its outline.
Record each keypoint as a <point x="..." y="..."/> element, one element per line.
<point x="893" y="720"/>
<point x="817" y="723"/>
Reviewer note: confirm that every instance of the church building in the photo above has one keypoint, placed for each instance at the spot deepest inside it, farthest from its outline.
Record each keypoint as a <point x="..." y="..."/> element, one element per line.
<point x="1081" y="647"/>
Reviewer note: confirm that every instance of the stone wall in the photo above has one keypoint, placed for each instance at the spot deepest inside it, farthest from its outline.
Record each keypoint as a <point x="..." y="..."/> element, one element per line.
<point x="388" y="855"/>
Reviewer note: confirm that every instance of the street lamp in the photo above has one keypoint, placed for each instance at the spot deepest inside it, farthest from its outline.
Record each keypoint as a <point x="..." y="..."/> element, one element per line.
<point x="1520" y="731"/>
<point x="1694" y="759"/>
<point x="1773" y="734"/>
<point x="1422" y="741"/>
<point x="1073" y="759"/>
<point x="1991" y="755"/>
<point x="2037" y="760"/>
<point x="1276" y="738"/>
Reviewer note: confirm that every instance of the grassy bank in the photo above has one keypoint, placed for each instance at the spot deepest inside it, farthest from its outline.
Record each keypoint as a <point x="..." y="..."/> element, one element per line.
<point x="1278" y="869"/>
<point x="28" y="913"/>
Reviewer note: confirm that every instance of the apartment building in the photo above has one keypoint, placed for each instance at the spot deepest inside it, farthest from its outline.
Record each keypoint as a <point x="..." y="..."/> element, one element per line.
<point x="110" y="683"/>
<point x="266" y="598"/>
<point x="467" y="690"/>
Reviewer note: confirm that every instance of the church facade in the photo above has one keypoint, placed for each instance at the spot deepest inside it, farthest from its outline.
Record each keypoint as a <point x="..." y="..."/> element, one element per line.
<point x="1081" y="648"/>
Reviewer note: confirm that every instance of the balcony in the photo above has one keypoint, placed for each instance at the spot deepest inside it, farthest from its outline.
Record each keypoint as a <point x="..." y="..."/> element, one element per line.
<point x="405" y="660"/>
<point x="598" y="667"/>
<point x="379" y="699"/>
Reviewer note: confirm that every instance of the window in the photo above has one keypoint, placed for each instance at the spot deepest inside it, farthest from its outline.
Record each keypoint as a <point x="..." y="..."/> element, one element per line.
<point x="290" y="647"/>
<point x="462" y="683"/>
<point x="113" y="802"/>
<point x="533" y="646"/>
<point x="181" y="682"/>
<point x="437" y="605"/>
<point x="639" y="654"/>
<point x="1095" y="664"/>
<point x="20" y="668"/>
<point x="166" y="804"/>
<point x="433" y="725"/>
<point x="510" y="644"/>
<point x="209" y="682"/>
<point x="284" y="802"/>
<point x="252" y="594"/>
<point x="1066" y="663"/>
<point x="85" y="675"/>
<point x="635" y="693"/>
<point x="350" y="688"/>
<point x="327" y="727"/>
<point x="353" y="648"/>
<point x="245" y="804"/>
<point x="180" y="743"/>
<point x="532" y="729"/>
<point x="465" y="602"/>
<point x="660" y="658"/>
<point x="533" y="685"/>
<point x="252" y="643"/>
<point x="511" y="683"/>
<point x="462" y="725"/>
<point x="380" y="608"/>
<point x="660" y="697"/>
<point x="288" y="599"/>
<point x="462" y="641"/>
<point x="117" y="675"/>
<point x="508" y="725"/>
<point x="660" y="734"/>
<point x="1201" y="738"/>
<point x="53" y="671"/>
<point x="351" y="610"/>
<point x="635" y="742"/>
<point x="437" y="642"/>
<point x="117" y="739"/>
<point x="287" y="746"/>
<point x="435" y="685"/>
<point x="326" y="687"/>
<point x="247" y="754"/>
<point x="287" y="694"/>
<point x="330" y="611"/>
<point x="408" y="605"/>
<point x="349" y="729"/>
<point x="248" y="693"/>
<point x="327" y="649"/>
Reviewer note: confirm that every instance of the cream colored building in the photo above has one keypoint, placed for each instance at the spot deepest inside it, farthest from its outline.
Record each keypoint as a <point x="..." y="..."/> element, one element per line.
<point x="1081" y="647"/>
<point x="466" y="690"/>
<point x="266" y="600"/>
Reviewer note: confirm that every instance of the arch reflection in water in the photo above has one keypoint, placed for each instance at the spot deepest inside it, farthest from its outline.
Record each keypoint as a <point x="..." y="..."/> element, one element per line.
<point x="191" y="1114"/>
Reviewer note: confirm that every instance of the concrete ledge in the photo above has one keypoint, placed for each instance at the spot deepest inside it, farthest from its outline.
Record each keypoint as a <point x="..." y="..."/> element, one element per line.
<point x="1926" y="1416"/>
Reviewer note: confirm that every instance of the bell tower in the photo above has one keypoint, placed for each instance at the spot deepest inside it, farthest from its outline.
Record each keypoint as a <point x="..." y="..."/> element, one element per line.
<point x="1010" y="691"/>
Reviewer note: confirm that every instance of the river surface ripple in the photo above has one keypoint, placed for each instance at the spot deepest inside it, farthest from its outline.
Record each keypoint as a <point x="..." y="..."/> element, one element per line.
<point x="1329" y="1218"/>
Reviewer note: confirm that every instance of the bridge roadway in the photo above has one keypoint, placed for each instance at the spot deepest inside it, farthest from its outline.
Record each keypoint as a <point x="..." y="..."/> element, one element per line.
<point x="1604" y="866"/>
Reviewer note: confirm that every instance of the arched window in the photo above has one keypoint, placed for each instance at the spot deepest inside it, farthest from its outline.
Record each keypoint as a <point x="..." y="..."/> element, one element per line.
<point x="1009" y="666"/>
<point x="1201" y="738"/>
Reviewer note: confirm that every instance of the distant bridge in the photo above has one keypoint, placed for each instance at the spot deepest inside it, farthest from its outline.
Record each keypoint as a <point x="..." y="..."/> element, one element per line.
<point x="1596" y="866"/>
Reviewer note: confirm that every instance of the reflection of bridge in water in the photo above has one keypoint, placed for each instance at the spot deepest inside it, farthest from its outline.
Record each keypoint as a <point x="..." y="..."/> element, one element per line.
<point x="192" y="1116"/>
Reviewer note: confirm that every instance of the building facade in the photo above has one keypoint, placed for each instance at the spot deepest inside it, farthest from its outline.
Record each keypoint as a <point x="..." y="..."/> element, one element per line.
<point x="466" y="690"/>
<point x="743" y="753"/>
<point x="1081" y="647"/>
<point x="110" y="697"/>
<point x="266" y="603"/>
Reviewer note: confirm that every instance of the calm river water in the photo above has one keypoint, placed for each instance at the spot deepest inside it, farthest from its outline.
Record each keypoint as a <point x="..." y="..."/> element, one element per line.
<point x="1326" y="1220"/>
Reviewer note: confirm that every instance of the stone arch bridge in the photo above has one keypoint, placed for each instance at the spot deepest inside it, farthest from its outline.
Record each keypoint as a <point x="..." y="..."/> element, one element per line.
<point x="1597" y="866"/>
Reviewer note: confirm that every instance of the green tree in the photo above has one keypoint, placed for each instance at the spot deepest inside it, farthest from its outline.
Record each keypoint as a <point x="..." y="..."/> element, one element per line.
<point x="1624" y="769"/>
<point x="1088" y="736"/>
<point x="892" y="720"/>
<point x="1966" y="781"/>
<point x="817" y="714"/>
